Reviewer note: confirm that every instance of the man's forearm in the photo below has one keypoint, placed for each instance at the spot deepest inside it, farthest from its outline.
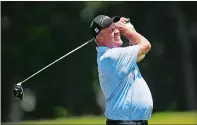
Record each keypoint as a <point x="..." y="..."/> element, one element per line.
<point x="137" y="39"/>
<point x="140" y="58"/>
<point x="133" y="37"/>
<point x="133" y="29"/>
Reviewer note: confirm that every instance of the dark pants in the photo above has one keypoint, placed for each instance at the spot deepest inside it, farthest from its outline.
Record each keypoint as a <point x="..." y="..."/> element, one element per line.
<point x="119" y="122"/>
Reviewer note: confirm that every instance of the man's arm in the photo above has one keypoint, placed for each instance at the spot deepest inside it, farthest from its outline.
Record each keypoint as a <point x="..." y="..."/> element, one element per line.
<point x="134" y="37"/>
<point x="131" y="27"/>
<point x="131" y="42"/>
<point x="140" y="58"/>
<point x="137" y="39"/>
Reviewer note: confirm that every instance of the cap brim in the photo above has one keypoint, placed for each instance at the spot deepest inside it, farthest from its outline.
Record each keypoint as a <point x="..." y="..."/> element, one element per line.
<point x="109" y="21"/>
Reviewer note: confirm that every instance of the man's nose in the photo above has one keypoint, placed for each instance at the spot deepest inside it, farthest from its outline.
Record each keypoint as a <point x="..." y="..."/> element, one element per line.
<point x="117" y="31"/>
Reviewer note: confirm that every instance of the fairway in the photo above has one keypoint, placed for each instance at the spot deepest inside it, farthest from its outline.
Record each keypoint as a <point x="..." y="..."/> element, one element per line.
<point x="157" y="118"/>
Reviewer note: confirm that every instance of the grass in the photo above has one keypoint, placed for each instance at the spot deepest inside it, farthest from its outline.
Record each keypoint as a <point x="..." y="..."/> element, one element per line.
<point x="158" y="118"/>
<point x="174" y="118"/>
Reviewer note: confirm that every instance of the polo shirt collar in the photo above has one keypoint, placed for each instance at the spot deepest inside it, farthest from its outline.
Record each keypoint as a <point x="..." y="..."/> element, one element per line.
<point x="101" y="49"/>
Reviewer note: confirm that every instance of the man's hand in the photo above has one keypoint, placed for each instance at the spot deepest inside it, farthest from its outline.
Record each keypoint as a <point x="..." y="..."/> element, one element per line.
<point x="123" y="26"/>
<point x="130" y="26"/>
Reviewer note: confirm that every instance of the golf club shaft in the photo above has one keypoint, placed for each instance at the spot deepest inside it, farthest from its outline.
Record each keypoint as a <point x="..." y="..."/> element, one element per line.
<point x="57" y="60"/>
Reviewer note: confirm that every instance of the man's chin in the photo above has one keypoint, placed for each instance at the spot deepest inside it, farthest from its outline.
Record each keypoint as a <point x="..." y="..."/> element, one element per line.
<point x="119" y="43"/>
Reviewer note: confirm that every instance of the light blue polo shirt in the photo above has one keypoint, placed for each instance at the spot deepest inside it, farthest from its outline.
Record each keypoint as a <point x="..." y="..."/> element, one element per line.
<point x="126" y="93"/>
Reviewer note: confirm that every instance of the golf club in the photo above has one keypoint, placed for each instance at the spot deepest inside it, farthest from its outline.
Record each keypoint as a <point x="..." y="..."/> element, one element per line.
<point x="18" y="88"/>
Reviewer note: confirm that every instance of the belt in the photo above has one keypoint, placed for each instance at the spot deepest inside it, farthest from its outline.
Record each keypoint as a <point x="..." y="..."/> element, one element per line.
<point x="120" y="122"/>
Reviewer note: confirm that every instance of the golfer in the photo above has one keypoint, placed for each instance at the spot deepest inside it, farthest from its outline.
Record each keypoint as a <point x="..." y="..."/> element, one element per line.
<point x="128" y="98"/>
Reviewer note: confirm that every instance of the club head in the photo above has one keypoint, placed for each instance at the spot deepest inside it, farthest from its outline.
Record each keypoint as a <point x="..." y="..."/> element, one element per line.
<point x="18" y="91"/>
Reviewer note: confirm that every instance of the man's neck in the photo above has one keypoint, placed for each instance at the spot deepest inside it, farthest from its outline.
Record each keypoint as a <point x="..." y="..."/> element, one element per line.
<point x="107" y="44"/>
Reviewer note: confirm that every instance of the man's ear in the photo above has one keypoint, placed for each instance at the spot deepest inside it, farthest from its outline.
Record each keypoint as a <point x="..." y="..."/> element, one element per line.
<point x="100" y="40"/>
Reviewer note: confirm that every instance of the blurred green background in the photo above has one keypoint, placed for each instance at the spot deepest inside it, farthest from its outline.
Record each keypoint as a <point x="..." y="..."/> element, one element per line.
<point x="33" y="34"/>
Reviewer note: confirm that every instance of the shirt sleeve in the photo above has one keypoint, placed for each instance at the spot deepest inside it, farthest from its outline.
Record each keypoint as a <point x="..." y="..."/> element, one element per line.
<point x="123" y="58"/>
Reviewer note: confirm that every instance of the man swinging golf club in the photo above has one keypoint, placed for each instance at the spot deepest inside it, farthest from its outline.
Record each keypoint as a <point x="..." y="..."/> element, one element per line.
<point x="127" y="96"/>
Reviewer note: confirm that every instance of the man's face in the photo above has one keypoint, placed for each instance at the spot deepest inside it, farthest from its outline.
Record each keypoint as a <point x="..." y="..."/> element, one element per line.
<point x="111" y="36"/>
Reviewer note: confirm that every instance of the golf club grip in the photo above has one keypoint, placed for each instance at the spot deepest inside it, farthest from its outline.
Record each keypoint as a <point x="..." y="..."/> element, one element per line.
<point x="58" y="60"/>
<point x="128" y="20"/>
